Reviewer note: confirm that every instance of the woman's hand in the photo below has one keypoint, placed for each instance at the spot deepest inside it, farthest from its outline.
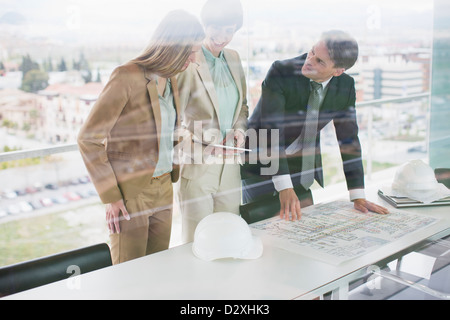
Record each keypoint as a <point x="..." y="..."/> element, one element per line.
<point x="112" y="215"/>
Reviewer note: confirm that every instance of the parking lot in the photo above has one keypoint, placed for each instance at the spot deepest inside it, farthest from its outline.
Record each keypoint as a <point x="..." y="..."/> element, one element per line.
<point x="40" y="198"/>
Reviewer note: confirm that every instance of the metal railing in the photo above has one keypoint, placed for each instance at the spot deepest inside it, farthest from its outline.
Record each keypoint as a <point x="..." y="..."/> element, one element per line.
<point x="373" y="103"/>
<point x="393" y="100"/>
<point x="42" y="152"/>
<point x="38" y="152"/>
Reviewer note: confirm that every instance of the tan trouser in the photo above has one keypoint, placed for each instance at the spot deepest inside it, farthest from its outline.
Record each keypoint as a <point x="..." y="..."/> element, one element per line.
<point x="148" y="230"/>
<point x="218" y="190"/>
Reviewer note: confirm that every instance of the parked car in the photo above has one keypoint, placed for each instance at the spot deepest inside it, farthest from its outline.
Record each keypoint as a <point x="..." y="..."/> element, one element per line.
<point x="38" y="186"/>
<point x="9" y="194"/>
<point x="13" y="209"/>
<point x="74" y="182"/>
<point x="25" y="206"/>
<point x="93" y="192"/>
<point x="31" y="190"/>
<point x="72" y="196"/>
<point x="60" y="200"/>
<point x="421" y="149"/>
<point x="3" y="213"/>
<point x="36" y="205"/>
<point x="46" y="202"/>
<point x="51" y="186"/>
<point x="84" y="179"/>
<point x="84" y="194"/>
<point x="20" y="192"/>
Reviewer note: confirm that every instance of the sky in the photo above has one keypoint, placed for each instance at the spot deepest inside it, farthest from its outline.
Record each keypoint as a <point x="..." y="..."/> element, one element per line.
<point x="97" y="17"/>
<point x="90" y="23"/>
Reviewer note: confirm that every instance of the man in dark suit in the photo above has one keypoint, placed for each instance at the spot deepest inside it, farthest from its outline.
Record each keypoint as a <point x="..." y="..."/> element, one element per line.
<point x="293" y="91"/>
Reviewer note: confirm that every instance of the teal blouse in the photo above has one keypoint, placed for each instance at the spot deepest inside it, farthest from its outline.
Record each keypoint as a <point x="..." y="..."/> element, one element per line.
<point x="226" y="89"/>
<point x="168" y="118"/>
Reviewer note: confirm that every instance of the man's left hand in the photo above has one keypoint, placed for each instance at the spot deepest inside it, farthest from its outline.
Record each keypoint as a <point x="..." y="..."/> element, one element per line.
<point x="365" y="206"/>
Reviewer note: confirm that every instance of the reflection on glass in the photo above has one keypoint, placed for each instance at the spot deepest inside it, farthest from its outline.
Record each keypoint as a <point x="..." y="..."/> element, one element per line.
<point x="55" y="58"/>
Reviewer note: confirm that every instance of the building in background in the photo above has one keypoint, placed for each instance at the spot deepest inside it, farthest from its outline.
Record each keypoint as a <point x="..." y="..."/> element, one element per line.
<point x="64" y="107"/>
<point x="396" y="75"/>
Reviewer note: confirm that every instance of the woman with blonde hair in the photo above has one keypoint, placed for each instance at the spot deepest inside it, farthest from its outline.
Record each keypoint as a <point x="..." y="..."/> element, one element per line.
<point x="126" y="141"/>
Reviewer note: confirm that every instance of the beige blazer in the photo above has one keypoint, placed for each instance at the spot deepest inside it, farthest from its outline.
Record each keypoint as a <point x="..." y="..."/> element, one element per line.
<point x="199" y="102"/>
<point x="119" y="141"/>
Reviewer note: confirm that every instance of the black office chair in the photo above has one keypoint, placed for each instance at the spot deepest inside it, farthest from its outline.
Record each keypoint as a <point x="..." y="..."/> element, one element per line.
<point x="34" y="273"/>
<point x="260" y="199"/>
<point x="443" y="176"/>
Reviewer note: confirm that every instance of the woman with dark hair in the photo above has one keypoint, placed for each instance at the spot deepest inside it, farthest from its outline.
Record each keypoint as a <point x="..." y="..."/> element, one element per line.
<point x="213" y="98"/>
<point x="126" y="141"/>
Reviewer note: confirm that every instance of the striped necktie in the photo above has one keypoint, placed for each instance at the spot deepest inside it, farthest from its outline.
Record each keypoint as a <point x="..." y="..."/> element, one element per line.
<point x="309" y="137"/>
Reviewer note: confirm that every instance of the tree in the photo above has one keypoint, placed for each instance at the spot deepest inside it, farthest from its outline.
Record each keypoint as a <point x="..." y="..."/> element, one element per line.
<point x="48" y="66"/>
<point x="99" y="78"/>
<point x="86" y="75"/>
<point x="62" y="65"/>
<point x="34" y="81"/>
<point x="27" y="65"/>
<point x="2" y="69"/>
<point x="83" y="66"/>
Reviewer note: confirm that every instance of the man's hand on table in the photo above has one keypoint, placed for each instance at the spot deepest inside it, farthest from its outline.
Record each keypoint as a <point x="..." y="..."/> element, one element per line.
<point x="365" y="206"/>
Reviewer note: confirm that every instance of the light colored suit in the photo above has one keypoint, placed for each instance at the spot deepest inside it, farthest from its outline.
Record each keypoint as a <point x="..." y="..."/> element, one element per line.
<point x="119" y="143"/>
<point x="205" y="188"/>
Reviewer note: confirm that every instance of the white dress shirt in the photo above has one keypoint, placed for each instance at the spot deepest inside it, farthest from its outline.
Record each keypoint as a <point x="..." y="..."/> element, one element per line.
<point x="284" y="181"/>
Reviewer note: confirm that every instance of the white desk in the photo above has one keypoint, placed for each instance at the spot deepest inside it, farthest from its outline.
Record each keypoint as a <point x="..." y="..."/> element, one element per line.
<point x="278" y="274"/>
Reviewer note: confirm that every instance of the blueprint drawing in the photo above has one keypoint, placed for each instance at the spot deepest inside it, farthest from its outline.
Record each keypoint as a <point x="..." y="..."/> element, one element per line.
<point x="336" y="232"/>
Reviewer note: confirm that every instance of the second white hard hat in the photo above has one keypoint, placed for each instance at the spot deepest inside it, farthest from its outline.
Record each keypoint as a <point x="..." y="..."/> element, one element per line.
<point x="225" y="235"/>
<point x="416" y="180"/>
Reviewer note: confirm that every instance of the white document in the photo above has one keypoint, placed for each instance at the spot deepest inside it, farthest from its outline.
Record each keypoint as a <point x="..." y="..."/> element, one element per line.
<point x="229" y="147"/>
<point x="220" y="145"/>
<point x="335" y="232"/>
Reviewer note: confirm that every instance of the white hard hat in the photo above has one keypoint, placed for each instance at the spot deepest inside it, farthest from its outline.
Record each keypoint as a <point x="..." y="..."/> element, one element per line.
<point x="415" y="175"/>
<point x="225" y="235"/>
<point x="416" y="180"/>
